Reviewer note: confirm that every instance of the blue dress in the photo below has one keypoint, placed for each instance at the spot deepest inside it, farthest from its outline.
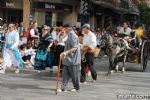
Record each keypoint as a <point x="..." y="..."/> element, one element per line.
<point x="44" y="58"/>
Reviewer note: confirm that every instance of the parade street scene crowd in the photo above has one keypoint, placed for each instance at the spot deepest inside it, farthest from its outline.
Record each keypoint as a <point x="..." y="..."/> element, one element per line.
<point x="95" y="52"/>
<point x="75" y="47"/>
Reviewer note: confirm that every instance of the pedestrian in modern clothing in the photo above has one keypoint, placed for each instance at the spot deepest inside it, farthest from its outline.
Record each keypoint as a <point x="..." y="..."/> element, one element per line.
<point x="89" y="43"/>
<point x="72" y="60"/>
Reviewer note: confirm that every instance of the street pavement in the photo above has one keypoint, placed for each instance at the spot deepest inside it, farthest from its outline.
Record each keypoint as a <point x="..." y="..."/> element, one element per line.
<point x="29" y="85"/>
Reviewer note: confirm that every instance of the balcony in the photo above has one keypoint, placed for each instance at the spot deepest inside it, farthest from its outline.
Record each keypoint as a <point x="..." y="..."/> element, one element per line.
<point x="113" y="3"/>
<point x="119" y="6"/>
<point x="106" y="3"/>
<point x="133" y="9"/>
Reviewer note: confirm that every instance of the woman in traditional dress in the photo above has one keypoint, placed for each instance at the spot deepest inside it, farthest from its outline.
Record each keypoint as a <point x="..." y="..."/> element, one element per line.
<point x="42" y="54"/>
<point x="11" y="53"/>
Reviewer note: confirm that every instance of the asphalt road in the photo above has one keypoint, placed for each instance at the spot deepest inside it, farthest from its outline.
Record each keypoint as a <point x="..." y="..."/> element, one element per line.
<point x="28" y="85"/>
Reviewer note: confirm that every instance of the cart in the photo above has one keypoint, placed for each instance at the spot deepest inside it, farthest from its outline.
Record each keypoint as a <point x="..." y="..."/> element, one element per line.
<point x="141" y="55"/>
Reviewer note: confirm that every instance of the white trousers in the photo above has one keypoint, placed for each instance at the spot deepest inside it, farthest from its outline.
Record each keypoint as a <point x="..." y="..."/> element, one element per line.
<point x="9" y="58"/>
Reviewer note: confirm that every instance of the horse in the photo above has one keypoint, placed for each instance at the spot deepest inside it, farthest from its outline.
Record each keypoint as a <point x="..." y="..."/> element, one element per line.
<point x="118" y="53"/>
<point x="116" y="50"/>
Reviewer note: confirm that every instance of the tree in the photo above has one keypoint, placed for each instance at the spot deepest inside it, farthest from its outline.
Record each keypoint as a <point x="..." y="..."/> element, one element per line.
<point x="144" y="14"/>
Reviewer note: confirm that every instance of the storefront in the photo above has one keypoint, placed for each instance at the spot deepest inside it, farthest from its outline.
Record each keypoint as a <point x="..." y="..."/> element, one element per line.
<point x="52" y="14"/>
<point x="11" y="11"/>
<point x="104" y="17"/>
<point x="107" y="14"/>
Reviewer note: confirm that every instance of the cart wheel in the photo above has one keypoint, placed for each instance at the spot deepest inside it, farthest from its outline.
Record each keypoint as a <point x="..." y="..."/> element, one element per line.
<point x="144" y="55"/>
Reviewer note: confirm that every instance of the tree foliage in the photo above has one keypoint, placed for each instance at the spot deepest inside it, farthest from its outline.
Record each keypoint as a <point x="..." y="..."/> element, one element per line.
<point x="144" y="14"/>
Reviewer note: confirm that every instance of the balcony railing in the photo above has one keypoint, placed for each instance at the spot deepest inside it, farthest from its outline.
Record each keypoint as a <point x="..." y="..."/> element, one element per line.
<point x="107" y="2"/>
<point x="114" y="3"/>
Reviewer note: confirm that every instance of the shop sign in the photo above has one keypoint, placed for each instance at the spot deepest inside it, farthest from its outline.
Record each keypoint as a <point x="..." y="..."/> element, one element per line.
<point x="10" y="4"/>
<point x="50" y="6"/>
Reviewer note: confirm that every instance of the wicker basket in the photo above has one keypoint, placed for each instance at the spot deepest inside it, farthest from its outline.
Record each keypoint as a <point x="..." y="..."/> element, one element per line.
<point x="96" y="52"/>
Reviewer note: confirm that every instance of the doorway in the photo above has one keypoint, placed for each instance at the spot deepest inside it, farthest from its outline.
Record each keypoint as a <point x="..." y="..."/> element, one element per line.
<point x="13" y="16"/>
<point x="48" y="19"/>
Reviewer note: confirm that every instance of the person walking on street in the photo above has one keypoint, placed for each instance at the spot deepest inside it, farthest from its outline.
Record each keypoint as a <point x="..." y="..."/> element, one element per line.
<point x="43" y="51"/>
<point x="11" y="54"/>
<point x="71" y="60"/>
<point x="89" y="43"/>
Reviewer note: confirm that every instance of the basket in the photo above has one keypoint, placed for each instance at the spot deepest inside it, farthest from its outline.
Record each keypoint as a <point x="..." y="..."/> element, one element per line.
<point x="96" y="52"/>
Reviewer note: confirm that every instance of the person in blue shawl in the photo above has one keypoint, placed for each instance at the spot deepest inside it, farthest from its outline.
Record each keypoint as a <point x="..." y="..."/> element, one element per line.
<point x="44" y="55"/>
<point x="11" y="54"/>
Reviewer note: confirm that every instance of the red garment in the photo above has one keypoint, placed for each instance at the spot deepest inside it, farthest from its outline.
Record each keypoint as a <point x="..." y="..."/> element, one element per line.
<point x="87" y="69"/>
<point x="28" y="34"/>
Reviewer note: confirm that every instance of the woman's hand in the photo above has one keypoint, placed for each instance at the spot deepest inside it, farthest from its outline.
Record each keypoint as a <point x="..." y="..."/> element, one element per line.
<point x="51" y="44"/>
<point x="49" y="49"/>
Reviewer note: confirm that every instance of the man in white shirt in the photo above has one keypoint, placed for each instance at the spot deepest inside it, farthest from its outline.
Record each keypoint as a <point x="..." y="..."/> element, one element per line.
<point x="89" y="43"/>
<point x="125" y="29"/>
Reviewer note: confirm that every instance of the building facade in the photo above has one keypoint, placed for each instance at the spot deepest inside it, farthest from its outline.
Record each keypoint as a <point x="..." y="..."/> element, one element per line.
<point x="102" y="14"/>
<point x="111" y="13"/>
<point x="147" y="2"/>
<point x="50" y="12"/>
<point x="11" y="10"/>
<point x="54" y="12"/>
